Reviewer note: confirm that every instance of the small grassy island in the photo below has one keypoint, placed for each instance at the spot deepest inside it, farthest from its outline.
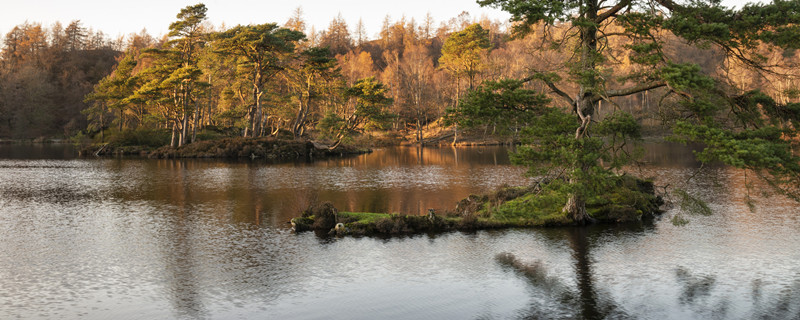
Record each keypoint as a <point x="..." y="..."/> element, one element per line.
<point x="628" y="200"/>
<point x="269" y="148"/>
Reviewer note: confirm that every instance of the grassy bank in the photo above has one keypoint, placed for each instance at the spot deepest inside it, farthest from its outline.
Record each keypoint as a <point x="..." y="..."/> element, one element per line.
<point x="152" y="144"/>
<point x="263" y="148"/>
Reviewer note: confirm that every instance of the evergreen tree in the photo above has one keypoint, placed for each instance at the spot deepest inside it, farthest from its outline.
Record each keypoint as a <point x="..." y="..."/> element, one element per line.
<point x="313" y="70"/>
<point x="462" y="55"/>
<point x="749" y="131"/>
<point x="370" y="103"/>
<point x="173" y="81"/>
<point x="263" y="51"/>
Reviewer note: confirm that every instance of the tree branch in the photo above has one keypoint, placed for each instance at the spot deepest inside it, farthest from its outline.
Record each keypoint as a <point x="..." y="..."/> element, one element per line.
<point x="612" y="11"/>
<point x="630" y="90"/>
<point x="671" y="6"/>
<point x="614" y="34"/>
<point x="552" y="87"/>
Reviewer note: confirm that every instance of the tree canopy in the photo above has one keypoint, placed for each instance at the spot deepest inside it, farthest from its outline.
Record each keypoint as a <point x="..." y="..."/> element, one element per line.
<point x="749" y="130"/>
<point x="262" y="51"/>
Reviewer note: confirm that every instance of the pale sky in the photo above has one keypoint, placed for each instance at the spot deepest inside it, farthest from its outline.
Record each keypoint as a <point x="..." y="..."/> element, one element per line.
<point x="124" y="17"/>
<point x="117" y="18"/>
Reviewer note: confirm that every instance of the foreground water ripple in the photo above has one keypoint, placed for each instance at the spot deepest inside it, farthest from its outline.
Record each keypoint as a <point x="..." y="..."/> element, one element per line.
<point x="198" y="239"/>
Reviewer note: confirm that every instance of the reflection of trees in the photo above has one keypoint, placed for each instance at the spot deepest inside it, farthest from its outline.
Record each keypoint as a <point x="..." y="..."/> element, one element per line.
<point x="696" y="290"/>
<point x="587" y="302"/>
<point x="431" y="155"/>
<point x="180" y="274"/>
<point x="585" y="299"/>
<point x="668" y="154"/>
<point x="786" y="305"/>
<point x="272" y="194"/>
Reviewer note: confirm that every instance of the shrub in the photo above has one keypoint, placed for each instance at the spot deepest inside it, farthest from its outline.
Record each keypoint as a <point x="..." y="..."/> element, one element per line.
<point x="152" y="138"/>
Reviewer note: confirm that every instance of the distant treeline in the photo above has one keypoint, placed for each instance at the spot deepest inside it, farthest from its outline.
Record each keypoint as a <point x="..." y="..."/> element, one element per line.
<point x="45" y="74"/>
<point x="59" y="81"/>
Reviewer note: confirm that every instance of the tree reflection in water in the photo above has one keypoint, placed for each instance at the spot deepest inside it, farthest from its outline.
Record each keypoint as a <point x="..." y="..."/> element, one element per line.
<point x="585" y="300"/>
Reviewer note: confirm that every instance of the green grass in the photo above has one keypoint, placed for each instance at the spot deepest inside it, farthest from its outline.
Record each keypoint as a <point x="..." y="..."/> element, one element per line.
<point x="530" y="210"/>
<point x="362" y="217"/>
<point x="627" y="199"/>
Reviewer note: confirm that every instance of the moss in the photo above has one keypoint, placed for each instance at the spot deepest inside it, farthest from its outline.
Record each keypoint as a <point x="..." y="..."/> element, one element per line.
<point x="361" y="217"/>
<point x="325" y="216"/>
<point x="300" y="224"/>
<point x="533" y="209"/>
<point x="381" y="223"/>
<point x="628" y="199"/>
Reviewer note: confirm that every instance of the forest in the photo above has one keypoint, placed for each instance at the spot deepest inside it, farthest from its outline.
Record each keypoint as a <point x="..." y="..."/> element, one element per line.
<point x="59" y="82"/>
<point x="575" y="85"/>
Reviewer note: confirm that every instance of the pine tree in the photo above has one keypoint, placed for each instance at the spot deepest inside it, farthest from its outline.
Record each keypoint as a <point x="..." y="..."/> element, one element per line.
<point x="749" y="131"/>
<point x="263" y="51"/>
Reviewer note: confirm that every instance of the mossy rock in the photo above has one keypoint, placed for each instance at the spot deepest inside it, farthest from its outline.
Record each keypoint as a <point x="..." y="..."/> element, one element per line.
<point x="301" y="224"/>
<point x="359" y="223"/>
<point x="629" y="199"/>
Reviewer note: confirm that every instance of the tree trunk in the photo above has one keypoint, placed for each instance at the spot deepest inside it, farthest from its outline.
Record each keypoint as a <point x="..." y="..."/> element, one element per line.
<point x="298" y="121"/>
<point x="173" y="141"/>
<point x="335" y="144"/>
<point x="419" y="131"/>
<point x="458" y="94"/>
<point x="194" y="124"/>
<point x="584" y="106"/>
<point x="257" y="100"/>
<point x="298" y="128"/>
<point x="576" y="209"/>
<point x="184" y="130"/>
<point x="102" y="133"/>
<point x="251" y="114"/>
<point x="258" y="117"/>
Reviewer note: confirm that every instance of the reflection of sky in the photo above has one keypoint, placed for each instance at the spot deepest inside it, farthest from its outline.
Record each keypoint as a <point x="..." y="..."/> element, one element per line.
<point x="101" y="239"/>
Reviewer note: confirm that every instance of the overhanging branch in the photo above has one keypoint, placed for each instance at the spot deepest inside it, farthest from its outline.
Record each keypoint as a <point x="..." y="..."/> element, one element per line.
<point x="552" y="87"/>
<point x="612" y="11"/>
<point x="630" y="90"/>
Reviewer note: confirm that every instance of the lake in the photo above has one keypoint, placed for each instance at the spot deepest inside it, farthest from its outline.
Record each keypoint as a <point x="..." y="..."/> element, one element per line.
<point x="108" y="238"/>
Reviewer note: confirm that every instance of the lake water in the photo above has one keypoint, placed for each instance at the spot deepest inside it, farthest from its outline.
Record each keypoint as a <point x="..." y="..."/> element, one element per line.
<point x="204" y="239"/>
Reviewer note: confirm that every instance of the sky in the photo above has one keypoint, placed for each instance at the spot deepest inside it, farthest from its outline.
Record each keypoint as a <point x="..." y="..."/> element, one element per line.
<point x="117" y="18"/>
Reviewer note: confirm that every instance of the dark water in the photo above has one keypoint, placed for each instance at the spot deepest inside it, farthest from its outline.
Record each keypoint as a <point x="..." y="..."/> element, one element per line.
<point x="154" y="239"/>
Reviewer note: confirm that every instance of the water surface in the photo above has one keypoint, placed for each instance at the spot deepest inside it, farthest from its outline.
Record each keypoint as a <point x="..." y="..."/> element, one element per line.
<point x="193" y="239"/>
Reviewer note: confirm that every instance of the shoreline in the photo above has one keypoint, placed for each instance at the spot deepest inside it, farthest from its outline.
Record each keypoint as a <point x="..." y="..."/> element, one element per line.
<point x="229" y="148"/>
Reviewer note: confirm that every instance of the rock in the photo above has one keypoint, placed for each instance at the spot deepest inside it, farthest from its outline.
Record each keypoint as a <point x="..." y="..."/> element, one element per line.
<point x="301" y="224"/>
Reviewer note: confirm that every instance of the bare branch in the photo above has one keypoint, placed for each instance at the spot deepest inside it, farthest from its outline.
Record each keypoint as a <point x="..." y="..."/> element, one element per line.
<point x="671" y="6"/>
<point x="604" y="35"/>
<point x="612" y="11"/>
<point x="631" y="90"/>
<point x="552" y="87"/>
